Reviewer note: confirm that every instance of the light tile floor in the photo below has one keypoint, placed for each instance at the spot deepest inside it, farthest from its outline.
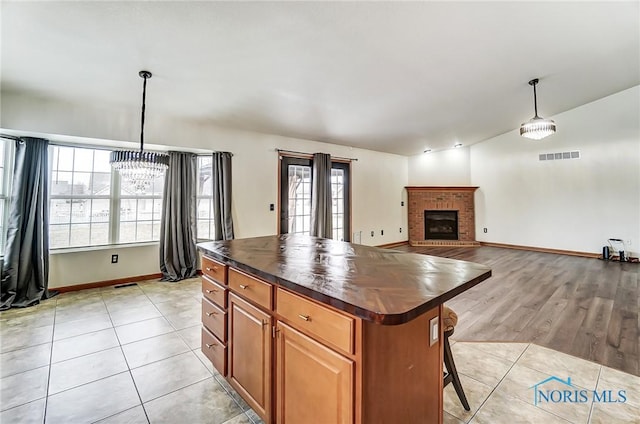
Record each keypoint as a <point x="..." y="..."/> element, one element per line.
<point x="132" y="355"/>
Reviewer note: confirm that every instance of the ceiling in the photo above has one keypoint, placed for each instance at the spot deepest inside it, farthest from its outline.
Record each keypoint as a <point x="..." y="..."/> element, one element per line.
<point x="395" y="77"/>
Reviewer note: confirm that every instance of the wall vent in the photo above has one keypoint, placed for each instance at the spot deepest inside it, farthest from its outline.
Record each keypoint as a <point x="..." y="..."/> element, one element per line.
<point x="559" y="156"/>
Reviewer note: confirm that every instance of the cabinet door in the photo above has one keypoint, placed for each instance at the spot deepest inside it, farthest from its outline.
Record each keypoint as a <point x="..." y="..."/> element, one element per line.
<point x="250" y="355"/>
<point x="314" y="383"/>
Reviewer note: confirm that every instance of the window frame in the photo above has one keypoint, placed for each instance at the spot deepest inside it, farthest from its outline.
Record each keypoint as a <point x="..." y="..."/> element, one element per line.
<point x="114" y="198"/>
<point x="206" y="197"/>
<point x="283" y="185"/>
<point x="8" y="147"/>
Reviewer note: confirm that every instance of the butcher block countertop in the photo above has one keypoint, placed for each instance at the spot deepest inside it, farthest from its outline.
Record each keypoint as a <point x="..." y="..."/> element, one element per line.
<point x="379" y="285"/>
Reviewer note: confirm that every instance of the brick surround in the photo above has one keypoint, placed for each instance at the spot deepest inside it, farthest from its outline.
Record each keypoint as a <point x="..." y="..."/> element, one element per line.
<point x="442" y="198"/>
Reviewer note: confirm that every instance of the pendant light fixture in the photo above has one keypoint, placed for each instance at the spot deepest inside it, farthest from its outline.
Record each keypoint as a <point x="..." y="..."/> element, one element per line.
<point x="537" y="128"/>
<point x="140" y="168"/>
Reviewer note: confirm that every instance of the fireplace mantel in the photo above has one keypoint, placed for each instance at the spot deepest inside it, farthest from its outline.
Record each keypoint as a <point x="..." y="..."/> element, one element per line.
<point x="450" y="198"/>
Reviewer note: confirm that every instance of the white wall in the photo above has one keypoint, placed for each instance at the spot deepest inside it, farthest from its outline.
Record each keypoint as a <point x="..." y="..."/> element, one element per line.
<point x="443" y="168"/>
<point x="566" y="204"/>
<point x="378" y="179"/>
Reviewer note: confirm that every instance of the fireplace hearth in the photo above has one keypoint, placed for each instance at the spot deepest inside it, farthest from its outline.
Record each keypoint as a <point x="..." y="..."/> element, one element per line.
<point x="440" y="225"/>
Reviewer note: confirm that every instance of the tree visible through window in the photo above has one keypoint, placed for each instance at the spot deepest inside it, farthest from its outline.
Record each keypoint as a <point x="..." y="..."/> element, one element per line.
<point x="295" y="197"/>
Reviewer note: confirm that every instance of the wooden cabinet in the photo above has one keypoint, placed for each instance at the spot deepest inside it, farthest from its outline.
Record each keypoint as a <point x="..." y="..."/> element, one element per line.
<point x="314" y="384"/>
<point x="296" y="360"/>
<point x="250" y="344"/>
<point x="214" y="313"/>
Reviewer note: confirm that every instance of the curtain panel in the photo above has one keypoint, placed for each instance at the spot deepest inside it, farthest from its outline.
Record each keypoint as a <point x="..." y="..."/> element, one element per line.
<point x="223" y="222"/>
<point x="25" y="270"/>
<point x="321" y="205"/>
<point x="178" y="254"/>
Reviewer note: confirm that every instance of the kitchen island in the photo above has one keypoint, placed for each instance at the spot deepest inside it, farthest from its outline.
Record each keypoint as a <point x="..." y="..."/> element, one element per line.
<point x="319" y="331"/>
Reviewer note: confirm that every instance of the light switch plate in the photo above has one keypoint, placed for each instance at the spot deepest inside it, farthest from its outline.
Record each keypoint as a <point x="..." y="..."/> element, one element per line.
<point x="434" y="331"/>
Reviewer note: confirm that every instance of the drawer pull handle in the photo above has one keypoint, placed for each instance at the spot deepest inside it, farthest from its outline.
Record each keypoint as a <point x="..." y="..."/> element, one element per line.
<point x="210" y="313"/>
<point x="209" y="346"/>
<point x="305" y="317"/>
<point x="215" y="268"/>
<point x="210" y="291"/>
<point x="243" y="287"/>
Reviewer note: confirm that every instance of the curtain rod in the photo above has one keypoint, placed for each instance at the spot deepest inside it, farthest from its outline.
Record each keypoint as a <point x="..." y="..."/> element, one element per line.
<point x="11" y="137"/>
<point x="311" y="154"/>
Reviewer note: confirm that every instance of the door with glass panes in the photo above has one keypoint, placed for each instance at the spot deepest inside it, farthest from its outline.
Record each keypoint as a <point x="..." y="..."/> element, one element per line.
<point x="296" y="182"/>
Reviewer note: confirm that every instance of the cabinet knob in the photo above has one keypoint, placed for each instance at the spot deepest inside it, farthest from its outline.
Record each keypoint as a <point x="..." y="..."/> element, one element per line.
<point x="210" y="313"/>
<point x="243" y="287"/>
<point x="209" y="346"/>
<point x="305" y="317"/>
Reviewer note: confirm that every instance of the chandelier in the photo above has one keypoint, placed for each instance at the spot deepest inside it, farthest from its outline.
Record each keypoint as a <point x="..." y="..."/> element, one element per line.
<point x="537" y="128"/>
<point x="140" y="168"/>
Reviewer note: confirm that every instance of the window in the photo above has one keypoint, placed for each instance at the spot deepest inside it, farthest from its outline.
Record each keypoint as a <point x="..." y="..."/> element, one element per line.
<point x="295" y="197"/>
<point x="89" y="206"/>
<point x="204" y="198"/>
<point x="6" y="161"/>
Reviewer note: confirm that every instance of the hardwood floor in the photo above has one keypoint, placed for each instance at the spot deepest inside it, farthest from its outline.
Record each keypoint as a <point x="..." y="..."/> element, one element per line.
<point x="580" y="306"/>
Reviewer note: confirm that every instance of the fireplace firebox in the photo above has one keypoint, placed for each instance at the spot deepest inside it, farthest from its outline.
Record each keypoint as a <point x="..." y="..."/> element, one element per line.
<point x="440" y="225"/>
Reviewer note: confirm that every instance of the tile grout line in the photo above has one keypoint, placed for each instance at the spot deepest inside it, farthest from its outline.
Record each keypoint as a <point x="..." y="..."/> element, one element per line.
<point x="592" y="402"/>
<point x="46" y="393"/>
<point x="127" y="363"/>
<point x="497" y="384"/>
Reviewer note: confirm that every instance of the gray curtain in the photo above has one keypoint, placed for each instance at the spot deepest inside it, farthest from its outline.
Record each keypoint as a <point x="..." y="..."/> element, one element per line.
<point x="25" y="271"/>
<point x="178" y="255"/>
<point x="223" y="222"/>
<point x="321" y="206"/>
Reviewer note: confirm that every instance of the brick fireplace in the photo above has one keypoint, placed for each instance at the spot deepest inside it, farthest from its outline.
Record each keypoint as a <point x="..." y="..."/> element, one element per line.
<point x="446" y="199"/>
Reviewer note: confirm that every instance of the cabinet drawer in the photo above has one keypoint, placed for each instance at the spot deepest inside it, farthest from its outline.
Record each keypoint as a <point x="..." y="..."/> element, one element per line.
<point x="214" y="270"/>
<point x="215" y="350"/>
<point x="214" y="319"/>
<point x="316" y="320"/>
<point x="214" y="292"/>
<point x="251" y="288"/>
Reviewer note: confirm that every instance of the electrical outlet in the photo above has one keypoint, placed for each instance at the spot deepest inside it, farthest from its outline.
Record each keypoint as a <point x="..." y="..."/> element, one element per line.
<point x="485" y="229"/>
<point x="114" y="259"/>
<point x="402" y="203"/>
<point x="272" y="207"/>
<point x="400" y="229"/>
<point x="434" y="331"/>
<point x="372" y="233"/>
<point x="381" y="232"/>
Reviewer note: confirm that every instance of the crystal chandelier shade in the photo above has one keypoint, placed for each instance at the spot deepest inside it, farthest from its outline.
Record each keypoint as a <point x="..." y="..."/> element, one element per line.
<point x="139" y="168"/>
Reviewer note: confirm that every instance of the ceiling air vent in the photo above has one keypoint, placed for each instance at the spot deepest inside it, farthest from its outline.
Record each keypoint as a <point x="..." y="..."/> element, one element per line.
<point x="559" y="156"/>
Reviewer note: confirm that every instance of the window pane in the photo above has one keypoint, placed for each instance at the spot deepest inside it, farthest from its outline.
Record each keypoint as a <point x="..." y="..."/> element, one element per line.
<point x="80" y="210"/>
<point x="100" y="210"/>
<point x="128" y="209"/>
<point x="63" y="158"/>
<point x="83" y="160"/>
<point x="145" y="210"/>
<point x="101" y="161"/>
<point x="203" y="230"/>
<point x="100" y="233"/>
<point x="127" y="232"/>
<point x="60" y="211"/>
<point x="157" y="209"/>
<point x="58" y="235"/>
<point x="80" y="235"/>
<point x="144" y="231"/>
<point x="205" y="176"/>
<point x="81" y="183"/>
<point x="156" y="230"/>
<point x="61" y="183"/>
<point x="101" y="183"/>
